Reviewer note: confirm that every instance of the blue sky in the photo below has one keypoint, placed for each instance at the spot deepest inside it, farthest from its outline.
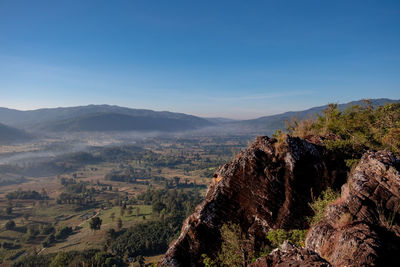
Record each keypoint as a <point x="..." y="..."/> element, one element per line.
<point x="237" y="59"/>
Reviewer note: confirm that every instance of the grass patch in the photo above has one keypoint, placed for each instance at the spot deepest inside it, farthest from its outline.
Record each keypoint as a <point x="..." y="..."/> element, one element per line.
<point x="278" y="236"/>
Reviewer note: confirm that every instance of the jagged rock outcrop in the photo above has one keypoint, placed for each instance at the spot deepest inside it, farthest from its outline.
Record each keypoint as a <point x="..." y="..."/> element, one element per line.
<point x="267" y="186"/>
<point x="362" y="227"/>
<point x="290" y="255"/>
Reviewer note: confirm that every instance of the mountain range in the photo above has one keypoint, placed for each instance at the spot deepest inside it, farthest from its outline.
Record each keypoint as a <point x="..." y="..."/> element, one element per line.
<point x="44" y="118"/>
<point x="15" y="125"/>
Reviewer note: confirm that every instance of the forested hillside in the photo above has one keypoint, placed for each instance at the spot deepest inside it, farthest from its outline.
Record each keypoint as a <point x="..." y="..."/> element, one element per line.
<point x="10" y="135"/>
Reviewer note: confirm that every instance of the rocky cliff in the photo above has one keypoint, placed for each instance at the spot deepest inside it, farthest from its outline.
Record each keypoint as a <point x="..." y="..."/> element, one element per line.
<point x="266" y="186"/>
<point x="270" y="185"/>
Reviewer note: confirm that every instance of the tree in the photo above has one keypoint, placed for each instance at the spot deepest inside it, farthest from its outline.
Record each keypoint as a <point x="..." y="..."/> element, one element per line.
<point x="119" y="224"/>
<point x="129" y="210"/>
<point x="43" y="194"/>
<point x="137" y="211"/>
<point x="158" y="206"/>
<point x="95" y="223"/>
<point x="176" y="180"/>
<point x="112" y="216"/>
<point x="111" y="234"/>
<point x="49" y="240"/>
<point x="9" y="210"/>
<point x="63" y="232"/>
<point x="62" y="259"/>
<point x="234" y="250"/>
<point x="10" y="225"/>
<point x="140" y="261"/>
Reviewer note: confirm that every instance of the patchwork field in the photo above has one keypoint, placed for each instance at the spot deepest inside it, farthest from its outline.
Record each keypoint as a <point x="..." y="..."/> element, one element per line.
<point x="49" y="208"/>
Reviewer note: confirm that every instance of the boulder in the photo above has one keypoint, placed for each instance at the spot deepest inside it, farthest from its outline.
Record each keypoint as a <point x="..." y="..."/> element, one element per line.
<point x="290" y="255"/>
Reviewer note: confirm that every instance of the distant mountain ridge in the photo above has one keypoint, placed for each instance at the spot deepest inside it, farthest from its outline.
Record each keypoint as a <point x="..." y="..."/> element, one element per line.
<point x="19" y="117"/>
<point x="101" y="118"/>
<point x="114" y="118"/>
<point x="103" y="122"/>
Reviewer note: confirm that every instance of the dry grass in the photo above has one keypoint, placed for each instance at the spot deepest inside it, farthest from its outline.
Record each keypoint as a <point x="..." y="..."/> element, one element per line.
<point x="345" y="219"/>
<point x="280" y="145"/>
<point x="301" y="128"/>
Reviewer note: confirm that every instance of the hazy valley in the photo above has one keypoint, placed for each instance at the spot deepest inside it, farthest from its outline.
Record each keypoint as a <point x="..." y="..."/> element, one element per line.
<point x="65" y="167"/>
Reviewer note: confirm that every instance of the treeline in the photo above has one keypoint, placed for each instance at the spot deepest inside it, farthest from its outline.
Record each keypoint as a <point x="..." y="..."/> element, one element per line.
<point x="120" y="153"/>
<point x="177" y="203"/>
<point x="29" y="194"/>
<point x="128" y="174"/>
<point x="71" y="258"/>
<point x="146" y="239"/>
<point x="61" y="234"/>
<point x="80" y="199"/>
<point x="76" y="192"/>
<point x="172" y="206"/>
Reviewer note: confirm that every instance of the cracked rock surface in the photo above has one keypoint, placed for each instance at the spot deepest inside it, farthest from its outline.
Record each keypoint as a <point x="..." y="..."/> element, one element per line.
<point x="267" y="186"/>
<point x="290" y="255"/>
<point x="362" y="227"/>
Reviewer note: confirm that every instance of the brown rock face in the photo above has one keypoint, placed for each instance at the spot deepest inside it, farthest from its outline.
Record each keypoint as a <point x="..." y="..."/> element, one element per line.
<point x="362" y="227"/>
<point x="269" y="185"/>
<point x="290" y="255"/>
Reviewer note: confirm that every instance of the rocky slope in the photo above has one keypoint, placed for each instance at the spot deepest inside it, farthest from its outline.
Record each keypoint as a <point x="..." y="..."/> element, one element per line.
<point x="362" y="227"/>
<point x="290" y="255"/>
<point x="270" y="186"/>
<point x="267" y="186"/>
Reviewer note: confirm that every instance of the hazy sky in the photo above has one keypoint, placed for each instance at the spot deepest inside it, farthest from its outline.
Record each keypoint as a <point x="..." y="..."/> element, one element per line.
<point x="238" y="59"/>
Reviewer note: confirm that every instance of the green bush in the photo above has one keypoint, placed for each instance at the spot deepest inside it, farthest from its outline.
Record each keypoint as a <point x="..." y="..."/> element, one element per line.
<point x="298" y="237"/>
<point x="10" y="225"/>
<point x="62" y="259"/>
<point x="207" y="261"/>
<point x="278" y="236"/>
<point x="320" y="204"/>
<point x="233" y="248"/>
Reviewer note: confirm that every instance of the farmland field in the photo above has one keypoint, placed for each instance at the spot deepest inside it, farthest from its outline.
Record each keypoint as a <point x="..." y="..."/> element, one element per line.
<point x="48" y="201"/>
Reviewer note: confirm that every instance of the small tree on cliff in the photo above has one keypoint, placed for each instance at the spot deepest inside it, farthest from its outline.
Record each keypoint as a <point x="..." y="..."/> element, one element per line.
<point x="234" y="248"/>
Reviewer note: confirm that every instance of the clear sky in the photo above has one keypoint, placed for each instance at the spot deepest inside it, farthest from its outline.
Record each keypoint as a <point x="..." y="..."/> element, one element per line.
<point x="237" y="59"/>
